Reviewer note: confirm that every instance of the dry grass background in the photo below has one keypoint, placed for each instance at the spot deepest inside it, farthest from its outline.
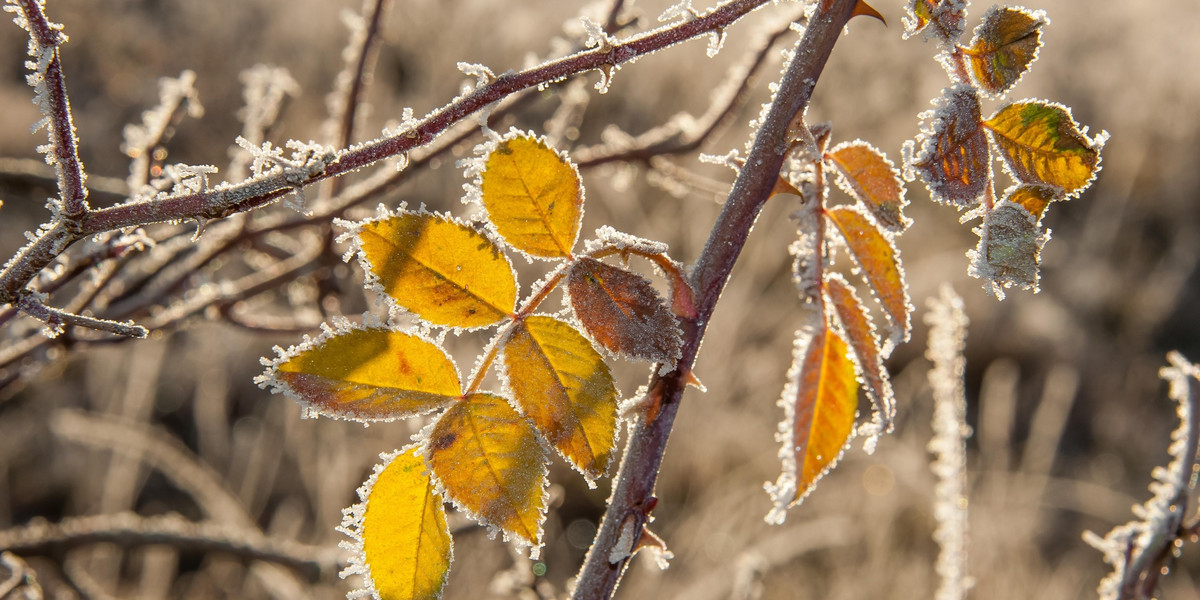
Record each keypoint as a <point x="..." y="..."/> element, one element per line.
<point x="1069" y="416"/>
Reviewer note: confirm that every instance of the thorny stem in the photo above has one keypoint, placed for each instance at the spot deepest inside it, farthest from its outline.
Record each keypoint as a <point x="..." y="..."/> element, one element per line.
<point x="633" y="491"/>
<point x="260" y="191"/>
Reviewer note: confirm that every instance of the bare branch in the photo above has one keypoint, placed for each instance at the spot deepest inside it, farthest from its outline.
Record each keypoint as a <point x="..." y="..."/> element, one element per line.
<point x="56" y="319"/>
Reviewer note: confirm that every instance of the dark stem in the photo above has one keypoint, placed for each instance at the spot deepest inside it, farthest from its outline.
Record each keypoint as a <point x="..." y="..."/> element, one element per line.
<point x="633" y="491"/>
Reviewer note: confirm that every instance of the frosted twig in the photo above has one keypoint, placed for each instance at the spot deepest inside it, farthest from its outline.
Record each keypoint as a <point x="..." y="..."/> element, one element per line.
<point x="360" y="54"/>
<point x="947" y="338"/>
<point x="130" y="530"/>
<point x="56" y="320"/>
<point x="633" y="488"/>
<point x="50" y="94"/>
<point x="142" y="140"/>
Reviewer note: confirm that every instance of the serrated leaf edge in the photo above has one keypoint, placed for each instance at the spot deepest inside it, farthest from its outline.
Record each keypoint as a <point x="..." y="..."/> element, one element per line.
<point x="1036" y="15"/>
<point x="846" y="184"/>
<point x="1096" y="142"/>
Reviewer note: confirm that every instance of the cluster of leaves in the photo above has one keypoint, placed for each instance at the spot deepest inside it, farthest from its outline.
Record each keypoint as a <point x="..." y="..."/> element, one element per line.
<point x="839" y="349"/>
<point x="1041" y="147"/>
<point x="487" y="450"/>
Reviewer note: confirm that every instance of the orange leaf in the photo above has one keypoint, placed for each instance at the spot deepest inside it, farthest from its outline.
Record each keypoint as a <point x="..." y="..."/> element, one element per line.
<point x="1004" y="46"/>
<point x="1033" y="198"/>
<point x="954" y="160"/>
<point x="565" y="387"/>
<point x="872" y="179"/>
<point x="439" y="269"/>
<point x="404" y="549"/>
<point x="1041" y="144"/>
<point x="857" y="327"/>
<point x="623" y="312"/>
<point x="366" y="374"/>
<point x="489" y="462"/>
<point x="879" y="261"/>
<point x="821" y="400"/>
<point x="533" y="196"/>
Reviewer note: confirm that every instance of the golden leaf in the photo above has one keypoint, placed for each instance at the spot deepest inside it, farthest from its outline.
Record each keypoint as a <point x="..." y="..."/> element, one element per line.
<point x="871" y="178"/>
<point x="533" y="196"/>
<point x="565" y="387"/>
<point x="368" y="374"/>
<point x="858" y="328"/>
<point x="440" y="269"/>
<point x="826" y="400"/>
<point x="406" y="545"/>
<point x="490" y="464"/>
<point x="1033" y="198"/>
<point x="1042" y="144"/>
<point x="877" y="257"/>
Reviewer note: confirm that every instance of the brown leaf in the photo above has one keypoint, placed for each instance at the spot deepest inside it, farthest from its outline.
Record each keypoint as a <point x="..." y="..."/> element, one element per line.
<point x="623" y="312"/>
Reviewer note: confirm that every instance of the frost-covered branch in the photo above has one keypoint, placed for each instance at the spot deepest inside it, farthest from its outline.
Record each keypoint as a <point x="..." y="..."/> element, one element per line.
<point x="633" y="490"/>
<point x="947" y="337"/>
<point x="1139" y="550"/>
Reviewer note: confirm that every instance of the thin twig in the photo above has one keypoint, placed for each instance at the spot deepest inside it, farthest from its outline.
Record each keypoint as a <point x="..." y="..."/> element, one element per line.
<point x="633" y="490"/>
<point x="58" y="319"/>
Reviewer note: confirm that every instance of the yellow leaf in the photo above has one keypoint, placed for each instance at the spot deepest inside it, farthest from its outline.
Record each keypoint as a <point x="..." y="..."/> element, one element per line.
<point x="880" y="264"/>
<point x="858" y="328"/>
<point x="406" y="547"/>
<point x="623" y="312"/>
<point x="1042" y="144"/>
<point x="1004" y="46"/>
<point x="871" y="178"/>
<point x="439" y="269"/>
<point x="368" y="374"/>
<point x="533" y="196"/>
<point x="490" y="464"/>
<point x="824" y="392"/>
<point x="954" y="160"/>
<point x="565" y="387"/>
<point x="1033" y="198"/>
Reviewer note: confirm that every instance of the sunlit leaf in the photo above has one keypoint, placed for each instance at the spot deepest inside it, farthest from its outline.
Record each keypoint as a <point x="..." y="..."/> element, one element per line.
<point x="565" y="387"/>
<point x="439" y="269"/>
<point x="1005" y="44"/>
<point x="823" y="390"/>
<point x="405" y="541"/>
<point x="623" y="312"/>
<point x="533" y="196"/>
<point x="948" y="17"/>
<point x="877" y="257"/>
<point x="368" y="374"/>
<point x="490" y="464"/>
<point x="871" y="178"/>
<point x="954" y="159"/>
<point x="1033" y="198"/>
<point x="857" y="327"/>
<point x="1009" y="247"/>
<point x="1042" y="144"/>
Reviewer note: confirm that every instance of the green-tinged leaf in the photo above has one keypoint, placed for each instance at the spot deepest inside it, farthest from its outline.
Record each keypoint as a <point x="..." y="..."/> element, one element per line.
<point x="857" y="327"/>
<point x="368" y="374"/>
<point x="880" y="263"/>
<point x="1042" y="144"/>
<point x="406" y="545"/>
<point x="565" y="387"/>
<point x="623" y="312"/>
<point x="954" y="159"/>
<point x="533" y="196"/>
<point x="1004" y="46"/>
<point x="489" y="462"/>
<point x="872" y="179"/>
<point x="441" y="270"/>
<point x="1034" y="198"/>
<point x="1009" y="247"/>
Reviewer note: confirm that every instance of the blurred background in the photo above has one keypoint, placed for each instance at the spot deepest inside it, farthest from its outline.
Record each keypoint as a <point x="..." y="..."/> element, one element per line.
<point x="1068" y="413"/>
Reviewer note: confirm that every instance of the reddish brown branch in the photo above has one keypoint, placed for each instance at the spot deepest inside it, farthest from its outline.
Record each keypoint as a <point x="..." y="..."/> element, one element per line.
<point x="633" y="491"/>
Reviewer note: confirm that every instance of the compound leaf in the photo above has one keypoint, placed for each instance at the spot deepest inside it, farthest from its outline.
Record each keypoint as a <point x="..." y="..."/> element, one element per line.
<point x="533" y="196"/>
<point x="367" y="374"/>
<point x="1042" y="144"/>
<point x="878" y="259"/>
<point x="871" y="178"/>
<point x="623" y="312"/>
<point x="954" y="160"/>
<point x="1005" y="44"/>
<point x="405" y="542"/>
<point x="439" y="269"/>
<point x="857" y="327"/>
<point x="563" y="384"/>
<point x="489" y="462"/>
